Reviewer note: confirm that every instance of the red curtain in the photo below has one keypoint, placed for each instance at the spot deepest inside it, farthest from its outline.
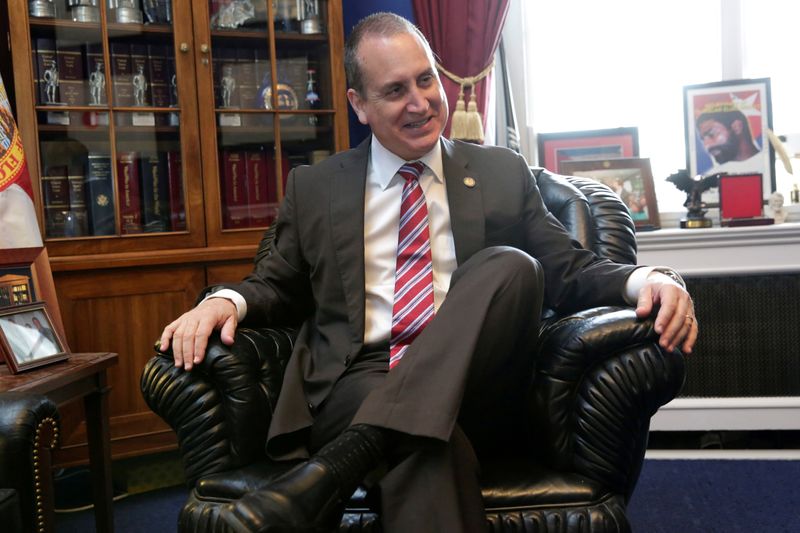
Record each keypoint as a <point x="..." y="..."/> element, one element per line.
<point x="464" y="35"/>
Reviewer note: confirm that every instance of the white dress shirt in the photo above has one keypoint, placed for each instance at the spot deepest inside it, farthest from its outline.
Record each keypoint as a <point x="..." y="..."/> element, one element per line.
<point x="381" y="225"/>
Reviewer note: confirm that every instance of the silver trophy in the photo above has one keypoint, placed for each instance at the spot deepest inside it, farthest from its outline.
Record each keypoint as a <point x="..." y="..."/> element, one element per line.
<point x="125" y="11"/>
<point x="311" y="20"/>
<point x="42" y="8"/>
<point x="84" y="10"/>
<point x="97" y="85"/>
<point x="50" y="78"/>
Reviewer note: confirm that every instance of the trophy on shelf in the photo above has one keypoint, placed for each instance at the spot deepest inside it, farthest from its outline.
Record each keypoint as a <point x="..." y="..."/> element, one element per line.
<point x="51" y="82"/>
<point x="286" y="15"/>
<point x="84" y="10"/>
<point x="42" y="8"/>
<point x="311" y="21"/>
<point x="125" y="11"/>
<point x="312" y="98"/>
<point x="694" y="189"/>
<point x="227" y="89"/>
<point x="97" y="85"/>
<point x="233" y="15"/>
<point x="140" y="84"/>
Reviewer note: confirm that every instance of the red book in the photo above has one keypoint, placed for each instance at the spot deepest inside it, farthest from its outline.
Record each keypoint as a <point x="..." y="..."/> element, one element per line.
<point x="234" y="190"/>
<point x="71" y="76"/>
<point x="177" y="209"/>
<point x="272" y="185"/>
<point x="257" y="179"/>
<point x="130" y="199"/>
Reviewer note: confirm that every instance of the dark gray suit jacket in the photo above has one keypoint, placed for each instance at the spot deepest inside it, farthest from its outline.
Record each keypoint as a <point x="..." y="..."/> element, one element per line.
<point x="313" y="273"/>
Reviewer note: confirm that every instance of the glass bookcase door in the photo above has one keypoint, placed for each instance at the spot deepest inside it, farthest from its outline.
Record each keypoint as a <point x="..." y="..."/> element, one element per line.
<point x="108" y="117"/>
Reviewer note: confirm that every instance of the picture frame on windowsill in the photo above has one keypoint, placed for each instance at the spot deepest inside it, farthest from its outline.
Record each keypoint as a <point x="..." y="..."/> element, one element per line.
<point x="726" y="125"/>
<point x="631" y="178"/>
<point x="602" y="144"/>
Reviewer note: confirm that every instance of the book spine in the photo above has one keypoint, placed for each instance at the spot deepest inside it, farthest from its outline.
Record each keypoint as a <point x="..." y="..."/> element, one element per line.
<point x="45" y="58"/>
<point x="70" y="73"/>
<point x="234" y="191"/>
<point x="55" y="196"/>
<point x="122" y="73"/>
<point x="272" y="184"/>
<point x="246" y="78"/>
<point x="100" y="195"/>
<point x="158" y="74"/>
<point x="128" y="188"/>
<point x="78" y="217"/>
<point x="257" y="176"/>
<point x="155" y="193"/>
<point x="177" y="209"/>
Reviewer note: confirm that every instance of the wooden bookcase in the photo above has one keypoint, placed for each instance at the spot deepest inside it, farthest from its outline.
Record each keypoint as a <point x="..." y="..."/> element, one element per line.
<point x="236" y="88"/>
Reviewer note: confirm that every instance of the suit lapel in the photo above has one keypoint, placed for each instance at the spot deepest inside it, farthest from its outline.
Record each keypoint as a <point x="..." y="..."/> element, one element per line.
<point x="465" y="202"/>
<point x="347" y="223"/>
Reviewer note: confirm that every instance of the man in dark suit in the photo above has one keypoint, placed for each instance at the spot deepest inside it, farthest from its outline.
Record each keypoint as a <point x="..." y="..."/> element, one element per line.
<point x="494" y="256"/>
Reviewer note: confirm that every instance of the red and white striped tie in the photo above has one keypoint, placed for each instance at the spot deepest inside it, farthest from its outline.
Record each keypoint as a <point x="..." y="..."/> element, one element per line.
<point x="413" y="285"/>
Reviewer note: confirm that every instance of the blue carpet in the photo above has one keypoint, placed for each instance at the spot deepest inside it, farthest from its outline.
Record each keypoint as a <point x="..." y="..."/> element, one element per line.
<point x="717" y="497"/>
<point x="672" y="497"/>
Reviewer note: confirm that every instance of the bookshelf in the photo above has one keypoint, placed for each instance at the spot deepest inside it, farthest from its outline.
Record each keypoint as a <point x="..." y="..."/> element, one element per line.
<point x="159" y="152"/>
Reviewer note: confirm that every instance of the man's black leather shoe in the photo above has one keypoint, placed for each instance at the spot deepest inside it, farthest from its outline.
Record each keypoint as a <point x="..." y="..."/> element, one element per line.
<point x="310" y="497"/>
<point x="306" y="499"/>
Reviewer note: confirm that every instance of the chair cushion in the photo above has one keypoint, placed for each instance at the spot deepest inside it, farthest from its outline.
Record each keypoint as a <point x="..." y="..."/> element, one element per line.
<point x="508" y="483"/>
<point x="514" y="482"/>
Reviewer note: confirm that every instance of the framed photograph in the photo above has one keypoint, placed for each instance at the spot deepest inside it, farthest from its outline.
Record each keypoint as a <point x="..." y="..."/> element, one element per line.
<point x="726" y="131"/>
<point x="25" y="277"/>
<point x="631" y="178"/>
<point x="28" y="338"/>
<point x="555" y="148"/>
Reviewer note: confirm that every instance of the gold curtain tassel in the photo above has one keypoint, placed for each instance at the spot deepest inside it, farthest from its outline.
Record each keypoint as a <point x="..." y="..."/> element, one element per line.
<point x="474" y="122"/>
<point x="458" y="127"/>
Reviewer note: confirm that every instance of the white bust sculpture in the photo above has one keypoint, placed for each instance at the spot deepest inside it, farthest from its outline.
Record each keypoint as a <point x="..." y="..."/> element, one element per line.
<point x="776" y="209"/>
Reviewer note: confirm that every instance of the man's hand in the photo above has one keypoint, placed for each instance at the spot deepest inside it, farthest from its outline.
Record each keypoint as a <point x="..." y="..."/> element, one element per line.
<point x="675" y="322"/>
<point x="189" y="333"/>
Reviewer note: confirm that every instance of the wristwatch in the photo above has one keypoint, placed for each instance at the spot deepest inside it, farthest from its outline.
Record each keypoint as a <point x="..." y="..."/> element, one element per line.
<point x="672" y="274"/>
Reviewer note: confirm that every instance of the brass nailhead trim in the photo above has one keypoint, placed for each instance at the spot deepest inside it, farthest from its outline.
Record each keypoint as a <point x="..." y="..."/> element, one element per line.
<point x="36" y="466"/>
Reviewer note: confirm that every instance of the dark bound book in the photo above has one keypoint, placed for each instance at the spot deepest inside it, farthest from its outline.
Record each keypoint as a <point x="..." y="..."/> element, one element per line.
<point x="77" y="223"/>
<point x="234" y="190"/>
<point x="257" y="179"/>
<point x="44" y="58"/>
<point x="122" y="73"/>
<point x="158" y="75"/>
<point x="155" y="192"/>
<point x="129" y="192"/>
<point x="100" y="195"/>
<point x="55" y="196"/>
<point x="177" y="208"/>
<point x="245" y="74"/>
<point x="72" y="80"/>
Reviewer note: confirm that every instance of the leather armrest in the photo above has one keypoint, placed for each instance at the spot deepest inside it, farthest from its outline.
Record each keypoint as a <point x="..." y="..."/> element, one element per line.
<point x="220" y="410"/>
<point x="28" y="431"/>
<point x="600" y="377"/>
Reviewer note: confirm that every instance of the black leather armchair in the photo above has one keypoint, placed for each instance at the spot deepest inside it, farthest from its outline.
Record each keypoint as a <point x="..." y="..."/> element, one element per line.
<point x="599" y="378"/>
<point x="28" y="431"/>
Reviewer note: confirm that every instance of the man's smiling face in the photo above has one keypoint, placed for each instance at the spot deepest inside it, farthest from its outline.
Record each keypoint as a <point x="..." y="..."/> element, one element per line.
<point x="402" y="101"/>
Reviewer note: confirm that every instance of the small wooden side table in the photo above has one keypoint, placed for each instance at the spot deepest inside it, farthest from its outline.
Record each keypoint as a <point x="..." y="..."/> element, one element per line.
<point x="83" y="375"/>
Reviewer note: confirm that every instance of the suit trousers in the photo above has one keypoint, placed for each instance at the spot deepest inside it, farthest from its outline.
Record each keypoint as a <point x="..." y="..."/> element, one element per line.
<point x="461" y="380"/>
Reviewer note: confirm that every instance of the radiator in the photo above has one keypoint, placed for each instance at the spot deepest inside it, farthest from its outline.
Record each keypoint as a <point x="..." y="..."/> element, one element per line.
<point x="749" y="342"/>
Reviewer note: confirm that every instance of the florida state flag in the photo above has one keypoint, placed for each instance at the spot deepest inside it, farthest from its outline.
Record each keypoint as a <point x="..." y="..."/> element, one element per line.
<point x="18" y="225"/>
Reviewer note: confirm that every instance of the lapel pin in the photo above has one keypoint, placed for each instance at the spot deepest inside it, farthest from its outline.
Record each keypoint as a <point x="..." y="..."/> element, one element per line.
<point x="469" y="182"/>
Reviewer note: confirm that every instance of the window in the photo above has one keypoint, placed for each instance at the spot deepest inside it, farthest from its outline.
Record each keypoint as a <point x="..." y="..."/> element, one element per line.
<point x="593" y="65"/>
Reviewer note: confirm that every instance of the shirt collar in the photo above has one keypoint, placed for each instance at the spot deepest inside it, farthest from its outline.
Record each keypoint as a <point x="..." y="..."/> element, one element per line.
<point x="384" y="164"/>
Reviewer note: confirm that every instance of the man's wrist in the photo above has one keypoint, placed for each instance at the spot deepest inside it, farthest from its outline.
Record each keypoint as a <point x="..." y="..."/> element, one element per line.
<point x="670" y="273"/>
<point x="234" y="297"/>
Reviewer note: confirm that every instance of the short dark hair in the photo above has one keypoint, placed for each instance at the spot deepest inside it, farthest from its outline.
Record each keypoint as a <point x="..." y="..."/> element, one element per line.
<point x="382" y="24"/>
